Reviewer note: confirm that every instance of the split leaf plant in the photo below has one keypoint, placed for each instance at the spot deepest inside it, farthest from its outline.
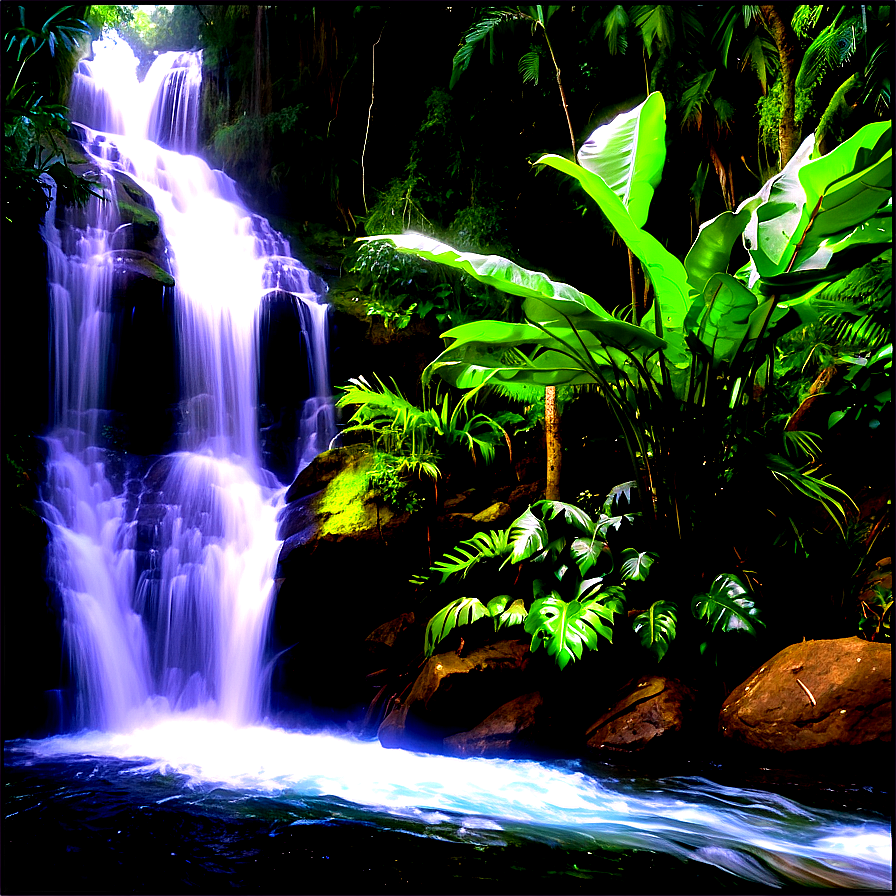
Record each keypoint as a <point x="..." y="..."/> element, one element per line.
<point x="686" y="382"/>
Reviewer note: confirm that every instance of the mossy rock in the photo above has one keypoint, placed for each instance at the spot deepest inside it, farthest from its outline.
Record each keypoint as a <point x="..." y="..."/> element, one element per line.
<point x="130" y="261"/>
<point x="346" y="506"/>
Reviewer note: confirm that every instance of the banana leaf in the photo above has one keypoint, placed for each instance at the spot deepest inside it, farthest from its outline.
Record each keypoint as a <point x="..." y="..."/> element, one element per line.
<point x="818" y="207"/>
<point x="666" y="272"/>
<point x="655" y="627"/>
<point x="561" y="356"/>
<point x="629" y="154"/>
<point x="711" y="252"/>
<point x="720" y="318"/>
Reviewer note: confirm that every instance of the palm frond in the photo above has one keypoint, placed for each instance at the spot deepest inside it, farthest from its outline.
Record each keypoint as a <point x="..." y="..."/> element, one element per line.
<point x="478" y="33"/>
<point x="656" y="24"/>
<point x="761" y="55"/>
<point x="529" y="65"/>
<point x="615" y="24"/>
<point x="831" y="49"/>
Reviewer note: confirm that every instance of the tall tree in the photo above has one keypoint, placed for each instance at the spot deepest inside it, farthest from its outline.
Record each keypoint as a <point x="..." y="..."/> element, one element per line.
<point x="776" y="17"/>
<point x="537" y="18"/>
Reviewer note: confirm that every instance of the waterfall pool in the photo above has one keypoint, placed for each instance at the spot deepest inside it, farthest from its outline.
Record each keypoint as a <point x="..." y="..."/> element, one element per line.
<point x="197" y="805"/>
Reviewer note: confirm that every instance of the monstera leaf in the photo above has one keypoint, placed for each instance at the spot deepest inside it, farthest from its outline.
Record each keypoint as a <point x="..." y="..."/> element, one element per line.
<point x="636" y="564"/>
<point x="592" y="555"/>
<point x="655" y="627"/>
<point x="629" y="154"/>
<point x="726" y="606"/>
<point x="503" y="615"/>
<point x="567" y="628"/>
<point x="462" y="611"/>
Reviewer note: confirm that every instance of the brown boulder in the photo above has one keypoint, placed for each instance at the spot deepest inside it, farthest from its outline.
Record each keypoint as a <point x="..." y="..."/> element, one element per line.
<point x="454" y="693"/>
<point x="507" y="730"/>
<point x="815" y="694"/>
<point x="647" y="709"/>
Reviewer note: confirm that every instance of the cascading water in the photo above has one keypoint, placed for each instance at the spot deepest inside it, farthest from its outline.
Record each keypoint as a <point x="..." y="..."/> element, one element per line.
<point x="180" y="625"/>
<point x="165" y="575"/>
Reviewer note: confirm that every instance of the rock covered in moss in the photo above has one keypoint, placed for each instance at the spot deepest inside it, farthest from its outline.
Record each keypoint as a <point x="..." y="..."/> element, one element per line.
<point x="831" y="693"/>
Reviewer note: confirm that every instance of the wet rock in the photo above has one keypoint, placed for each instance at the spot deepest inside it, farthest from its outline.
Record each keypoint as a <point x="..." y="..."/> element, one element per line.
<point x="649" y="710"/>
<point x="507" y="731"/>
<point x="398" y="635"/>
<point x="323" y="470"/>
<point x="132" y="264"/>
<point x="831" y="693"/>
<point x="455" y="693"/>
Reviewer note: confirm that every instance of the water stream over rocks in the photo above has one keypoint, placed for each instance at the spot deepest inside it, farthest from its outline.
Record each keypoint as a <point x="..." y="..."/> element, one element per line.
<point x="170" y="776"/>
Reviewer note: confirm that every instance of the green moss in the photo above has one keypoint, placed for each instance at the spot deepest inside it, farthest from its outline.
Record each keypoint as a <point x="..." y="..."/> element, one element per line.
<point x="342" y="506"/>
<point x="138" y="214"/>
<point x="149" y="269"/>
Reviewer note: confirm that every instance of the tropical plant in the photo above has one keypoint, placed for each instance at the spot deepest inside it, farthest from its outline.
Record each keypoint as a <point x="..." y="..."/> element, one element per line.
<point x="579" y="585"/>
<point x="409" y="441"/>
<point x="573" y="600"/>
<point x="686" y="385"/>
<point x="35" y="130"/>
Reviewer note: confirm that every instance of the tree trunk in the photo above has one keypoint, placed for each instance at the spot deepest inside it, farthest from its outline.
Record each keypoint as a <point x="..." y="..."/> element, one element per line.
<point x="777" y="20"/>
<point x="553" y="444"/>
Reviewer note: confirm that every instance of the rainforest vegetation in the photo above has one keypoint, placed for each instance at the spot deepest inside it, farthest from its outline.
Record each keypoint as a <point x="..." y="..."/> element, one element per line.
<point x="712" y="419"/>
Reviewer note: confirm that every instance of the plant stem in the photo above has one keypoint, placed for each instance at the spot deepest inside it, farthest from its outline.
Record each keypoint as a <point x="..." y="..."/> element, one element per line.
<point x="369" y="113"/>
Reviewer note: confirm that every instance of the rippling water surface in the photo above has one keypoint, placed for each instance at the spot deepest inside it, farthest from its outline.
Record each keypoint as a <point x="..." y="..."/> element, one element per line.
<point x="195" y="804"/>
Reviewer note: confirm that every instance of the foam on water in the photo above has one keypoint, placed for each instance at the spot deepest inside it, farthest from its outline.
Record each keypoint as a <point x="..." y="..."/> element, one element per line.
<point x="756" y="835"/>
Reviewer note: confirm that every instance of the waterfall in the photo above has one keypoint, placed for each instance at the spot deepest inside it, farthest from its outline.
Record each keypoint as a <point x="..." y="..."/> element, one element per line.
<point x="164" y="565"/>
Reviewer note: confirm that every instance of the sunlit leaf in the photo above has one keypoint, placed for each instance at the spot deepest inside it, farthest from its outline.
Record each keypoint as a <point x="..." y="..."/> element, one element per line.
<point x="655" y="627"/>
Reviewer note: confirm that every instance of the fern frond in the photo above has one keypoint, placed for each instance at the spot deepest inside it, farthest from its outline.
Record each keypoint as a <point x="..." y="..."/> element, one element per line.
<point x="482" y="546"/>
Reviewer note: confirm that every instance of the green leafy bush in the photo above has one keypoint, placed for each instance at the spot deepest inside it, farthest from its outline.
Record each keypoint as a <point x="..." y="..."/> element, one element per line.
<point x="409" y="441"/>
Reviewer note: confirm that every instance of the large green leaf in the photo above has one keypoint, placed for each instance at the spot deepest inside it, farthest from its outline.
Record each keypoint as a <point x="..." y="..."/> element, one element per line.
<point x="462" y="611"/>
<point x="567" y="628"/>
<point x="528" y="536"/>
<point x="480" y="351"/>
<point x="721" y="318"/>
<point x="711" y="252"/>
<point x="726" y="606"/>
<point x="497" y="272"/>
<point x="636" y="564"/>
<point x="629" y="154"/>
<point x="515" y="614"/>
<point x="655" y="627"/>
<point x="590" y="553"/>
<point x="573" y="515"/>
<point x="666" y="272"/>
<point x="818" y="207"/>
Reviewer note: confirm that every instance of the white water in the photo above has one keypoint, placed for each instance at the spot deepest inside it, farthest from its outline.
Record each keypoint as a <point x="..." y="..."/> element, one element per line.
<point x="746" y="832"/>
<point x="167" y="659"/>
<point x="186" y="631"/>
